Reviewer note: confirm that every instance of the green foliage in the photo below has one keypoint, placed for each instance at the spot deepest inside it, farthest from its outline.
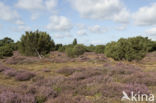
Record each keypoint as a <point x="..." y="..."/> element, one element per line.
<point x="58" y="46"/>
<point x="128" y="49"/>
<point x="153" y="46"/>
<point x="6" y="51"/>
<point x="99" y="49"/>
<point x="69" y="52"/>
<point x="40" y="99"/>
<point x="79" y="49"/>
<point x="75" y="41"/>
<point x="90" y="48"/>
<point x="36" y="43"/>
<point x="74" y="51"/>
<point x="7" y="46"/>
<point x="62" y="49"/>
<point x="6" y="41"/>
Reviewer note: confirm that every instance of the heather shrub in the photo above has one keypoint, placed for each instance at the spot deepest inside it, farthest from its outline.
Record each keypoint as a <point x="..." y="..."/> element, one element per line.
<point x="46" y="70"/>
<point x="66" y="71"/>
<point x="141" y="88"/>
<point x="24" y="75"/>
<point x="66" y="98"/>
<point x="8" y="96"/>
<point x="10" y="72"/>
<point x="86" y="73"/>
<point x="141" y="78"/>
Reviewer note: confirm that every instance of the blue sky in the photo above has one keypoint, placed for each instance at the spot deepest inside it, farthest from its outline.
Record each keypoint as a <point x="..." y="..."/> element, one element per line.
<point x="90" y="21"/>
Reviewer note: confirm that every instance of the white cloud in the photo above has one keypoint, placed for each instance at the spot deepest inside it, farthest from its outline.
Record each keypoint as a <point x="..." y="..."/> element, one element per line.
<point x="1" y="26"/>
<point x="62" y="35"/>
<point x="81" y="32"/>
<point x="101" y="9"/>
<point x="97" y="29"/>
<point x="146" y="15"/>
<point x="36" y="6"/>
<point x="30" y="4"/>
<point x="97" y="42"/>
<point x="35" y="15"/>
<point x="19" y="22"/>
<point x="6" y="13"/>
<point x="123" y="16"/>
<point x="59" y="23"/>
<point x="81" y="29"/>
<point x="151" y="31"/>
<point x="51" y="4"/>
<point x="21" y="28"/>
<point x="121" y="27"/>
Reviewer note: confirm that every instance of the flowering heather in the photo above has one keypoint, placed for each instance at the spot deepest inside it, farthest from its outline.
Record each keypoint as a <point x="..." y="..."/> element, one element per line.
<point x="24" y="75"/>
<point x="10" y="72"/>
<point x="8" y="96"/>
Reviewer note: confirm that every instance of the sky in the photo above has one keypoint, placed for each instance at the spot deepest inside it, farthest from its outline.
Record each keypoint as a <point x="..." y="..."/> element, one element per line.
<point x="90" y="21"/>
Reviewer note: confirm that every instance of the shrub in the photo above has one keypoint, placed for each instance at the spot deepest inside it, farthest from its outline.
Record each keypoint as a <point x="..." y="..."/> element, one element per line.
<point x="36" y="44"/>
<point x="7" y="46"/>
<point x="66" y="71"/>
<point x="58" y="46"/>
<point x="69" y="52"/>
<point x="61" y="49"/>
<point x="128" y="49"/>
<point x="79" y="49"/>
<point x="24" y="75"/>
<point x="10" y="72"/>
<point x="6" y="51"/>
<point x="3" y="68"/>
<point x="152" y="46"/>
<point x="90" y="48"/>
<point x="99" y="49"/>
<point x="8" y="96"/>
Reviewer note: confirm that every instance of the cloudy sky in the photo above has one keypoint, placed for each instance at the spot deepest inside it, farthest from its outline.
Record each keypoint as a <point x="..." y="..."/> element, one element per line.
<point x="90" y="21"/>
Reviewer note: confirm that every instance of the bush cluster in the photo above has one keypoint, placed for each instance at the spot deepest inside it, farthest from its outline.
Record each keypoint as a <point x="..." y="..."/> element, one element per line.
<point x="40" y="43"/>
<point x="128" y="49"/>
<point x="74" y="51"/>
<point x="7" y="46"/>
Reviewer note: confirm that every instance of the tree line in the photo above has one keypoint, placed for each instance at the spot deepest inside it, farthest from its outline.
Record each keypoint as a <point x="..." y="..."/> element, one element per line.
<point x="40" y="43"/>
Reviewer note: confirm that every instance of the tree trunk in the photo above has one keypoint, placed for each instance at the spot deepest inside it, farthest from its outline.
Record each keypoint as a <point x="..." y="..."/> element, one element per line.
<point x="38" y="54"/>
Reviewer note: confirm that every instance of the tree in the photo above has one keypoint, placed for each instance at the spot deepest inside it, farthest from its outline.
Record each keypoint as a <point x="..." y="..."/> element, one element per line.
<point x="36" y="44"/>
<point x="75" y="41"/>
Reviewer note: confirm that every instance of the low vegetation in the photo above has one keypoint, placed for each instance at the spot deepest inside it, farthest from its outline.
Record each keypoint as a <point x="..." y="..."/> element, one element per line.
<point x="75" y="73"/>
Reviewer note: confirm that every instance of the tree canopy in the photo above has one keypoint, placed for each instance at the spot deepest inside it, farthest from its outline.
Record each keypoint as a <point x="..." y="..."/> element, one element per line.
<point x="36" y="43"/>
